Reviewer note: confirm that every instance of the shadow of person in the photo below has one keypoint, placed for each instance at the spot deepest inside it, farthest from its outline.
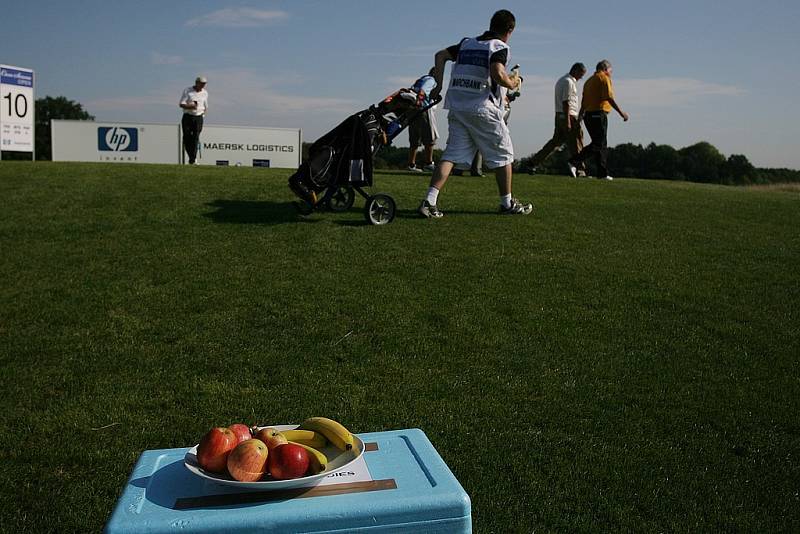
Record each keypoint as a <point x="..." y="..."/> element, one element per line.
<point x="254" y="212"/>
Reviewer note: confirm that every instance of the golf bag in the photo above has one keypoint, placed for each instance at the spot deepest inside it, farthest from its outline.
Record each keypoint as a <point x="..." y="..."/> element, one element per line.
<point x="340" y="163"/>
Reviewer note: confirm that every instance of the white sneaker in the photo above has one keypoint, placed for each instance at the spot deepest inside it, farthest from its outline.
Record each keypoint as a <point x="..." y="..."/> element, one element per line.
<point x="573" y="170"/>
<point x="609" y="178"/>
<point x="429" y="211"/>
<point x="414" y="169"/>
<point x="516" y="208"/>
<point x="429" y="167"/>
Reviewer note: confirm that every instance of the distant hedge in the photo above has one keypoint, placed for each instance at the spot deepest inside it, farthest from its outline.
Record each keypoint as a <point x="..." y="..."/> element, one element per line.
<point x="700" y="162"/>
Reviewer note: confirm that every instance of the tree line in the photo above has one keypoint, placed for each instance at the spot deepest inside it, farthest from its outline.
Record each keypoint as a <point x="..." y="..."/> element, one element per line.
<point x="700" y="162"/>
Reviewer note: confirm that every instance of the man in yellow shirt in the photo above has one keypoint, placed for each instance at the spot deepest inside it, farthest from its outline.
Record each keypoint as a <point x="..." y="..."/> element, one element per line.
<point x="598" y="101"/>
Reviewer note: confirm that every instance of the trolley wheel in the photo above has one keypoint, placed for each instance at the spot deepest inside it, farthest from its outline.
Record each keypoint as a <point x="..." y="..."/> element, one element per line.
<point x="342" y="199"/>
<point x="380" y="209"/>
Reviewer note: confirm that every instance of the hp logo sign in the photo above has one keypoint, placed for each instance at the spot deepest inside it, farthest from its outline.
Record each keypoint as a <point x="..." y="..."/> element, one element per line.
<point x="117" y="139"/>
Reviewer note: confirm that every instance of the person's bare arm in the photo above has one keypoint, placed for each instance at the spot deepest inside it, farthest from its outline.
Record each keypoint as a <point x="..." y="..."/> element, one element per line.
<point x="618" y="110"/>
<point x="501" y="77"/>
<point x="440" y="59"/>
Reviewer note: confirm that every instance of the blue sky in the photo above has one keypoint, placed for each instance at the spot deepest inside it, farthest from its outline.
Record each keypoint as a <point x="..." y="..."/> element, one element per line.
<point x="723" y="72"/>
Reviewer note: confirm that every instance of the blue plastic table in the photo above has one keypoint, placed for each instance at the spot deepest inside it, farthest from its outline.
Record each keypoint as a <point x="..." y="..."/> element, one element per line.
<point x="412" y="490"/>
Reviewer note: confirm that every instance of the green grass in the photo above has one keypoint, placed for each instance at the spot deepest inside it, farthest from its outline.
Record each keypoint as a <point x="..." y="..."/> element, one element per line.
<point x="625" y="359"/>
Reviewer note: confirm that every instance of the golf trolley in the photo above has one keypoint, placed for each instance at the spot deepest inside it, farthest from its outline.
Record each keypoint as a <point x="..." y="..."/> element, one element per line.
<point x="340" y="163"/>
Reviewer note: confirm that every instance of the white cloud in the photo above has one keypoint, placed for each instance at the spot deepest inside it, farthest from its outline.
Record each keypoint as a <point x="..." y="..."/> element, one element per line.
<point x="252" y="91"/>
<point x="238" y="17"/>
<point x="141" y="104"/>
<point x="242" y="97"/>
<point x="669" y="92"/>
<point x="157" y="58"/>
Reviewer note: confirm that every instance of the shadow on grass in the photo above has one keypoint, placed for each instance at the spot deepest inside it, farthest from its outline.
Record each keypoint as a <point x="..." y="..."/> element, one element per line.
<point x="405" y="214"/>
<point x="274" y="213"/>
<point x="360" y="220"/>
<point x="254" y="212"/>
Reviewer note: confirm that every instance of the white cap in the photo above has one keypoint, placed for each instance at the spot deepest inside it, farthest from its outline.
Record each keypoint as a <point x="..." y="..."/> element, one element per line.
<point x="201" y="79"/>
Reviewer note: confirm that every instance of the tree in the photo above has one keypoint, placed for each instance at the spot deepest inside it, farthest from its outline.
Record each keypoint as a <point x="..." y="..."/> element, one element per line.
<point x="738" y="171"/>
<point x="701" y="162"/>
<point x="49" y="108"/>
<point x="662" y="162"/>
<point x="627" y="159"/>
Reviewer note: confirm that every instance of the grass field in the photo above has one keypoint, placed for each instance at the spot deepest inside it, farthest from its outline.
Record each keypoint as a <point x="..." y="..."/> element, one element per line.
<point x="625" y="359"/>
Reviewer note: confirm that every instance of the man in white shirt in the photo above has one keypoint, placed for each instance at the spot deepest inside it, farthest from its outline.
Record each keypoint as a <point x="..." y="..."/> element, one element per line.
<point x="194" y="102"/>
<point x="568" y="125"/>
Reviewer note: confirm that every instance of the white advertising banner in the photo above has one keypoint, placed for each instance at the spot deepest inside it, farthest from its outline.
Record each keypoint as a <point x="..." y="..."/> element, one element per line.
<point x="17" y="107"/>
<point x="115" y="142"/>
<point x="249" y="147"/>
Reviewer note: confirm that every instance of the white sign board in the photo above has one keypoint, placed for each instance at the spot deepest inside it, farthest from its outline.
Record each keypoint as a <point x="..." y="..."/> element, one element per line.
<point x="115" y="142"/>
<point x="17" y="107"/>
<point x="250" y="147"/>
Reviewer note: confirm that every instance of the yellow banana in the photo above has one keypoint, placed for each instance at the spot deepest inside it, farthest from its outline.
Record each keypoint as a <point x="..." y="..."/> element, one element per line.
<point x="306" y="437"/>
<point x="317" y="462"/>
<point x="335" y="432"/>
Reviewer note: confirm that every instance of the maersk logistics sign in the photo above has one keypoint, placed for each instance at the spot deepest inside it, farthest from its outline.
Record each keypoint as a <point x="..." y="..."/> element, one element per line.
<point x="248" y="148"/>
<point x="260" y="147"/>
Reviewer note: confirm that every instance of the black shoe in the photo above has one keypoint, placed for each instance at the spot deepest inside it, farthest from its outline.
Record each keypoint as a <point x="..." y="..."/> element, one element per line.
<point x="309" y="196"/>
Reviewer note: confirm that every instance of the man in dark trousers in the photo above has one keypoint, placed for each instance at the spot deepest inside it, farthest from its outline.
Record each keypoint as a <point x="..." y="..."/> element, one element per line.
<point x="567" y="126"/>
<point x="194" y="102"/>
<point x="598" y="101"/>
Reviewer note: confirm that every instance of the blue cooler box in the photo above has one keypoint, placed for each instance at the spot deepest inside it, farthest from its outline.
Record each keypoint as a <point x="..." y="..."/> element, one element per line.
<point x="412" y="490"/>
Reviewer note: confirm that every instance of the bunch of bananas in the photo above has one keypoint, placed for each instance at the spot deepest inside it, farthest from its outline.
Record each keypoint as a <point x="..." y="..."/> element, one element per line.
<point x="314" y="434"/>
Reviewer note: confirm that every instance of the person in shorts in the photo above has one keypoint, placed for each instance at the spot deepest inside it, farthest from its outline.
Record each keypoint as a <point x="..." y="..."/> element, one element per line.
<point x="478" y="83"/>
<point x="422" y="131"/>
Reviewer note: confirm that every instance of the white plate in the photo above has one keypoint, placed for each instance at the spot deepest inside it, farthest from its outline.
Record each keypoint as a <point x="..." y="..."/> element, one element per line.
<point x="337" y="460"/>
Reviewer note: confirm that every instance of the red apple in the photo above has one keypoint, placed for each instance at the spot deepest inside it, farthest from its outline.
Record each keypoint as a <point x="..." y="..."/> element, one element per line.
<point x="248" y="461"/>
<point x="242" y="431"/>
<point x="271" y="437"/>
<point x="212" y="452"/>
<point x="288" y="461"/>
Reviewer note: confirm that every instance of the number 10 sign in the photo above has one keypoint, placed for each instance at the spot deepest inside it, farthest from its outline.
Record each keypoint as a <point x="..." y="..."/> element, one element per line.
<point x="16" y="109"/>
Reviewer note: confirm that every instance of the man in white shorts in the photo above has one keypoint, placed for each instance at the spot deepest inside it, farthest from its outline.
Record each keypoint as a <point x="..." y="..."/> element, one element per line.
<point x="478" y="83"/>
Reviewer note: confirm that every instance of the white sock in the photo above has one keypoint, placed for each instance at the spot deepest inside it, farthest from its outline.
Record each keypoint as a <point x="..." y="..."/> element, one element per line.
<point x="433" y="196"/>
<point x="505" y="200"/>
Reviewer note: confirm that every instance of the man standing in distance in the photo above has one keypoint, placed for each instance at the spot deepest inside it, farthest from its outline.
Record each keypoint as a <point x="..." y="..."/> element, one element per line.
<point x="194" y="102"/>
<point x="478" y="83"/>
<point x="423" y="131"/>
<point x="567" y="125"/>
<point x="598" y="101"/>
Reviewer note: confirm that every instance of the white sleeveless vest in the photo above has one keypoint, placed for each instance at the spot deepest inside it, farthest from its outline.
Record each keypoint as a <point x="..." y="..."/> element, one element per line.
<point x="471" y="87"/>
